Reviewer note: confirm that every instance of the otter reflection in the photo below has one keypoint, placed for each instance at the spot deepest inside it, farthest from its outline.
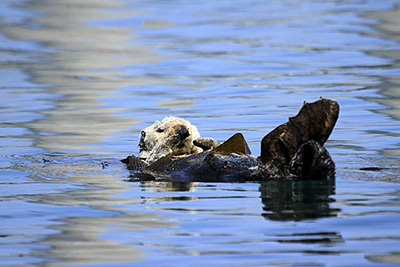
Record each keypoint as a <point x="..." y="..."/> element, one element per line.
<point x="282" y="200"/>
<point x="297" y="200"/>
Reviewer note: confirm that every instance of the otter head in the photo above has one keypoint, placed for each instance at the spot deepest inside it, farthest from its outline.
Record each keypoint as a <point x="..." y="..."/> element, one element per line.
<point x="171" y="136"/>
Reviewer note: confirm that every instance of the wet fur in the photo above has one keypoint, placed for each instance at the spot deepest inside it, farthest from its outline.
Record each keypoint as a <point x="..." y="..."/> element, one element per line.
<point x="170" y="137"/>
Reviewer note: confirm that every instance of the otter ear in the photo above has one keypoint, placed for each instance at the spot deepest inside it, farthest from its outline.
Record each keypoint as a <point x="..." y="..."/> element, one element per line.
<point x="235" y="144"/>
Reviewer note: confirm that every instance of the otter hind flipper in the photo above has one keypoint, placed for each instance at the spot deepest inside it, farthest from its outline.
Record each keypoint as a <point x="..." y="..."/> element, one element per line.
<point x="315" y="121"/>
<point x="312" y="162"/>
<point x="235" y="144"/>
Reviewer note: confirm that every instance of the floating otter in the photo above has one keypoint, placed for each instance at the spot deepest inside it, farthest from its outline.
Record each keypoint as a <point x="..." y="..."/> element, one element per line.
<point x="292" y="151"/>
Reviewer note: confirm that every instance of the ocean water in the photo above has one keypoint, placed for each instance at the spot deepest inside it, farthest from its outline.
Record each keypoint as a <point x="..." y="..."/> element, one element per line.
<point x="80" y="79"/>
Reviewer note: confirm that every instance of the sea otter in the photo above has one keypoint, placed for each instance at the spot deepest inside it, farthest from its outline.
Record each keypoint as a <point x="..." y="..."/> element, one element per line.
<point x="173" y="149"/>
<point x="172" y="137"/>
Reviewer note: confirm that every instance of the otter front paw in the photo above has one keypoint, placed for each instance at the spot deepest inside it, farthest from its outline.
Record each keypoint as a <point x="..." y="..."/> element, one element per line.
<point x="206" y="143"/>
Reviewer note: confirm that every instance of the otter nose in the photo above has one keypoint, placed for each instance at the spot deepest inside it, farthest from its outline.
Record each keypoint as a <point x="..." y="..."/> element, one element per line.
<point x="183" y="133"/>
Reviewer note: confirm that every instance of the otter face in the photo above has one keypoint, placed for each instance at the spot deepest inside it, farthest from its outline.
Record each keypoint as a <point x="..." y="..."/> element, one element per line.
<point x="172" y="136"/>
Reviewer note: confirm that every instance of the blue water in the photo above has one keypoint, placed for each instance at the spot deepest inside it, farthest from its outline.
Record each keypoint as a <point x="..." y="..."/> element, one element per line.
<point x="80" y="79"/>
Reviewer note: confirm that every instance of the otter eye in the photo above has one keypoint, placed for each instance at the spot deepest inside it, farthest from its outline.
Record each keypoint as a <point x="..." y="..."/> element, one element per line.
<point x="160" y="130"/>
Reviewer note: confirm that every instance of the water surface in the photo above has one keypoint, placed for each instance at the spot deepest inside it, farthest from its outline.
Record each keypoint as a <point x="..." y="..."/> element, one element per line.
<point x="80" y="79"/>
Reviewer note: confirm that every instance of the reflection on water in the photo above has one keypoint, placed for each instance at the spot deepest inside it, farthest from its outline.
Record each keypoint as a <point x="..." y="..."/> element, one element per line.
<point x="282" y="200"/>
<point x="79" y="79"/>
<point x="296" y="201"/>
<point x="389" y="28"/>
<point x="86" y="212"/>
<point x="84" y="68"/>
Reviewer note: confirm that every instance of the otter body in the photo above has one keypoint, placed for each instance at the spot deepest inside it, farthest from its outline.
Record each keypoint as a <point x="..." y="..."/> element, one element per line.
<point x="292" y="151"/>
<point x="312" y="162"/>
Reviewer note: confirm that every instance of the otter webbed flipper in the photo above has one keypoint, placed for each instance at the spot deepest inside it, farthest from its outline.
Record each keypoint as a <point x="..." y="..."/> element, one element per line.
<point x="314" y="122"/>
<point x="312" y="162"/>
<point x="235" y="144"/>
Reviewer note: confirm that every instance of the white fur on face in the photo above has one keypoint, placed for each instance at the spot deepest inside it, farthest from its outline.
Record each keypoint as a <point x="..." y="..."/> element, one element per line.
<point x="157" y="140"/>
